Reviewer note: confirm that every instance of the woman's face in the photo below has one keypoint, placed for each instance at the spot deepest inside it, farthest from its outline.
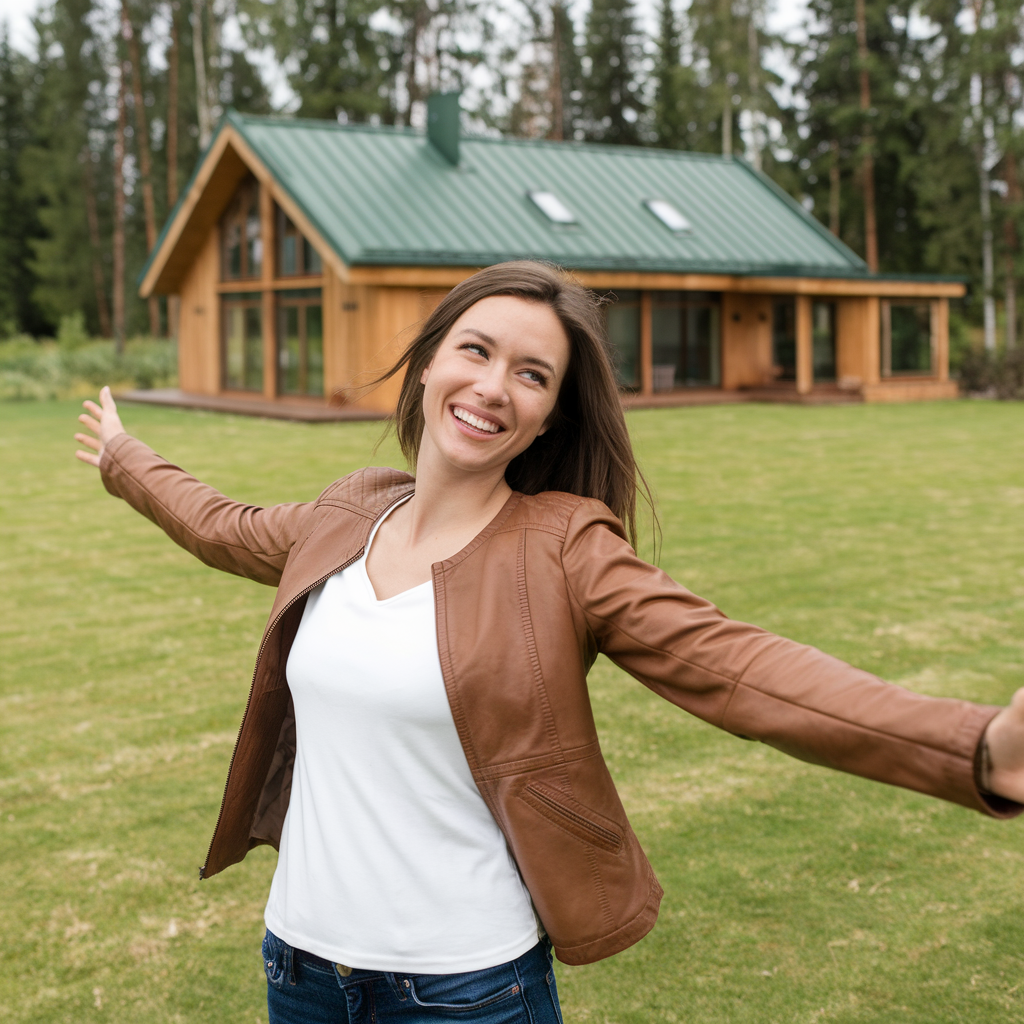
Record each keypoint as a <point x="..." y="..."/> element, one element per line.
<point x="493" y="383"/>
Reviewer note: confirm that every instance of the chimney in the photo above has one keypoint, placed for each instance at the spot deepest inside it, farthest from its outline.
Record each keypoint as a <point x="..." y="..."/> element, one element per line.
<point x="443" y="124"/>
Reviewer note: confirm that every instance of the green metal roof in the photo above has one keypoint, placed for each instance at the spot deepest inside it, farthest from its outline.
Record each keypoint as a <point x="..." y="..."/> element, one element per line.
<point x="385" y="196"/>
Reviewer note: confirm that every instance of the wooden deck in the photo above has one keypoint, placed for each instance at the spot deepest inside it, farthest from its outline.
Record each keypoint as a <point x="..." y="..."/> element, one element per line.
<point x="313" y="410"/>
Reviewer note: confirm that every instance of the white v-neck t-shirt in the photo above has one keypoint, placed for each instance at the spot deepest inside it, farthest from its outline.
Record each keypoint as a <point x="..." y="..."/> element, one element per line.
<point x="390" y="860"/>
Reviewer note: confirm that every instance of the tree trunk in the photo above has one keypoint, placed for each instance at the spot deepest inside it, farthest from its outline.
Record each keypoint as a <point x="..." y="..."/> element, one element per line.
<point x="1013" y="198"/>
<point x="868" y="163"/>
<point x="145" y="157"/>
<point x="987" y="258"/>
<point x="557" y="114"/>
<point x="753" y="86"/>
<point x="118" y="284"/>
<point x="833" y="190"/>
<point x="173" y="58"/>
<point x="727" y="123"/>
<point x="93" y="219"/>
<point x="983" y="132"/>
<point x="202" y="96"/>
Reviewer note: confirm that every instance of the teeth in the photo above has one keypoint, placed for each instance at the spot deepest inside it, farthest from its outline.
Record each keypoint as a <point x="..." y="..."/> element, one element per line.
<point x="475" y="421"/>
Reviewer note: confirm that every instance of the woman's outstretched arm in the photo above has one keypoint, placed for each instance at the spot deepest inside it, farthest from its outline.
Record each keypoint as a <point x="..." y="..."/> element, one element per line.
<point x="242" y="539"/>
<point x="794" y="697"/>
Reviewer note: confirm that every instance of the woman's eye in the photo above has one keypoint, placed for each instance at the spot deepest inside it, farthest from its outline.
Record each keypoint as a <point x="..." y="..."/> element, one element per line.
<point x="537" y="378"/>
<point x="472" y="346"/>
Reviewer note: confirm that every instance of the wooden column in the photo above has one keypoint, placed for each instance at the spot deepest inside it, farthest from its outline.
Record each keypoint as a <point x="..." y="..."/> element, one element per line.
<point x="872" y="340"/>
<point x="804" y="346"/>
<point x="646" y="346"/>
<point x="940" y="338"/>
<point x="266" y="283"/>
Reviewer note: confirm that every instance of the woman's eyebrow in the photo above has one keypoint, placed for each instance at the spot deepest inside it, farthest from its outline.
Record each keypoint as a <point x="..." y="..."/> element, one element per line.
<point x="533" y="360"/>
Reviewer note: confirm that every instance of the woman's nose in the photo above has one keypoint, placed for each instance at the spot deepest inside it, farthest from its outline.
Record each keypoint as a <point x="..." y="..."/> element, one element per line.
<point x="491" y="387"/>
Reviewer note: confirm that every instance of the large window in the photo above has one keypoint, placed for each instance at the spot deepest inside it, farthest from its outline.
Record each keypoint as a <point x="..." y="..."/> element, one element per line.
<point x="823" y="340"/>
<point x="623" y="318"/>
<point x="300" y="342"/>
<point x="784" y="339"/>
<point x="295" y="256"/>
<point x="685" y="339"/>
<point x="906" y="338"/>
<point x="241" y="251"/>
<point x="242" y="326"/>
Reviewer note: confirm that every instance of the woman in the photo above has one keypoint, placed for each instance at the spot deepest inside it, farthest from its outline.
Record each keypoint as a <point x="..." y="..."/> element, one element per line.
<point x="418" y="741"/>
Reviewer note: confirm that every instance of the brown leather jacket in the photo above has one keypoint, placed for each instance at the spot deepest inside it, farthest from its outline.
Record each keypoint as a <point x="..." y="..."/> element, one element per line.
<point x="522" y="612"/>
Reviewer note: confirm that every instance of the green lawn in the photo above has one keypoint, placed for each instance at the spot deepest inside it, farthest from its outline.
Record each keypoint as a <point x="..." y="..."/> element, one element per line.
<point x="890" y="536"/>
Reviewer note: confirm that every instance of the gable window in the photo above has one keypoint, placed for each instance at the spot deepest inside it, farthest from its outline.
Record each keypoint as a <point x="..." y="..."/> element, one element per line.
<point x="300" y="342"/>
<point x="296" y="257"/>
<point x="242" y="341"/>
<point x="241" y="241"/>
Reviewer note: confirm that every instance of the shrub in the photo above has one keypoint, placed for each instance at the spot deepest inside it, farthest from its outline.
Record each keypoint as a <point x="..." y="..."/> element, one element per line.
<point x="996" y="375"/>
<point x="74" y="365"/>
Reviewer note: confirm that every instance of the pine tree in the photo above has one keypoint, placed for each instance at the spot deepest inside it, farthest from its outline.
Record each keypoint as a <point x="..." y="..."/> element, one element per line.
<point x="837" y="131"/>
<point x="18" y="222"/>
<point x="670" y="115"/>
<point x="569" y="67"/>
<point x="613" y="102"/>
<point x="69" y="149"/>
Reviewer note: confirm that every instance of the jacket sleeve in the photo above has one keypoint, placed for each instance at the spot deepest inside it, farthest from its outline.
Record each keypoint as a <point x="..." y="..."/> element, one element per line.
<point x="761" y="686"/>
<point x="242" y="539"/>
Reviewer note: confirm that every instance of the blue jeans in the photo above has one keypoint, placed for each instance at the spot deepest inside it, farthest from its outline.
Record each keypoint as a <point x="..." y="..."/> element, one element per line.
<point x="305" y="989"/>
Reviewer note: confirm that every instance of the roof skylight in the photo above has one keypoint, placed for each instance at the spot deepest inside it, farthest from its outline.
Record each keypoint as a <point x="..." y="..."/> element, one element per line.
<point x="552" y="207"/>
<point x="668" y="215"/>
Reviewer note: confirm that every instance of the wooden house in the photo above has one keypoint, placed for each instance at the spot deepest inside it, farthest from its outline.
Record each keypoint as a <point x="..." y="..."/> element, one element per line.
<point x="304" y="253"/>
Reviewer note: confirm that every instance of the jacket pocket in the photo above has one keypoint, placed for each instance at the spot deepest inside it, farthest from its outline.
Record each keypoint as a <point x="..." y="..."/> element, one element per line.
<point x="571" y="816"/>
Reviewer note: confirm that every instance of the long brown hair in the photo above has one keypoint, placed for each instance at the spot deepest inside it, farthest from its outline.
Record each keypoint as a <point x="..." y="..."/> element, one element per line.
<point x="586" y="450"/>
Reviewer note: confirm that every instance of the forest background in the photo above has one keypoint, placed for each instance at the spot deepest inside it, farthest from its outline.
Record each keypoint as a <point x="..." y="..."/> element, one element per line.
<point x="898" y="124"/>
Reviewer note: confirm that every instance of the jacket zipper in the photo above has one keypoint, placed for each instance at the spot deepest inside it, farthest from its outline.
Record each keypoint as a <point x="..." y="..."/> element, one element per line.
<point x="252" y="687"/>
<point x="603" y="834"/>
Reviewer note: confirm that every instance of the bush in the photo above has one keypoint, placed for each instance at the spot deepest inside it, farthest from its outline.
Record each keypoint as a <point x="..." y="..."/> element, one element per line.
<point x="74" y="365"/>
<point x="993" y="374"/>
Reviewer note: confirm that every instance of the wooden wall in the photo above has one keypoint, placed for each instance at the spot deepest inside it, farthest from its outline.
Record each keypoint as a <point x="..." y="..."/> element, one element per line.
<point x="366" y="329"/>
<point x="746" y="341"/>
<point x="199" y="323"/>
<point x="857" y="326"/>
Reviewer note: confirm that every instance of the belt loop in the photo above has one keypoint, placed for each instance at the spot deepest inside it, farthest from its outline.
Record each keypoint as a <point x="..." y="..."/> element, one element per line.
<point x="289" y="963"/>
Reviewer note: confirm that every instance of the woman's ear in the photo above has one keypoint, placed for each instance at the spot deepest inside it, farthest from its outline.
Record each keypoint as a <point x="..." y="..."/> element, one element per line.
<point x="426" y="372"/>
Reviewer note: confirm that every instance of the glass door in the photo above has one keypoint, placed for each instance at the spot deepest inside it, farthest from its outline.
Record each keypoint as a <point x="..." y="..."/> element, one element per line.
<point x="242" y="341"/>
<point x="300" y="342"/>
<point x="823" y="340"/>
<point x="685" y="339"/>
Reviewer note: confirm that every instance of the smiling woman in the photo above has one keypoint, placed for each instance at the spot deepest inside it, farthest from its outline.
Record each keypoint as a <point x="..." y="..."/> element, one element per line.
<point x="419" y="743"/>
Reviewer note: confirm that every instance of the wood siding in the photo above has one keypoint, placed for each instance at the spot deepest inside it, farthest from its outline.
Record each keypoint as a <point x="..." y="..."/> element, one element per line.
<point x="746" y="341"/>
<point x="199" y="322"/>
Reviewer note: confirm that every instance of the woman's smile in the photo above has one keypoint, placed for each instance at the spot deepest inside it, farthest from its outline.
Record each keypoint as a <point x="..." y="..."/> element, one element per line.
<point x="474" y="423"/>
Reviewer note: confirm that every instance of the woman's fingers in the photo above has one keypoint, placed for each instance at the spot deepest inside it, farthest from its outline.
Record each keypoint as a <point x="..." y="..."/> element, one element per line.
<point x="89" y="422"/>
<point x="107" y="400"/>
<point x="103" y="421"/>
<point x="93" y="460"/>
<point x="92" y="442"/>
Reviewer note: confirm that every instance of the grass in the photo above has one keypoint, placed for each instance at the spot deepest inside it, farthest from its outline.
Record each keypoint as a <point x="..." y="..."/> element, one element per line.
<point x="890" y="536"/>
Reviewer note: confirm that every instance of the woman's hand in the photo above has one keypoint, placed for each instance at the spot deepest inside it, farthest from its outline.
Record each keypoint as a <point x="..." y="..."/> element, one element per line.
<point x="104" y="423"/>
<point x="1004" y="774"/>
